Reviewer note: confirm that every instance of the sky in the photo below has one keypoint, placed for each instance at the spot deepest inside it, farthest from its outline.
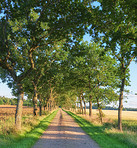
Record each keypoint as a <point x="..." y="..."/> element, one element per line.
<point x="133" y="77"/>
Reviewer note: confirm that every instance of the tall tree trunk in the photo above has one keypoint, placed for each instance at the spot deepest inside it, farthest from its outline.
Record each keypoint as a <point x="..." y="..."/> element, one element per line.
<point x="51" y="96"/>
<point x="45" y="106"/>
<point x="44" y="103"/>
<point x="121" y="105"/>
<point x="19" y="108"/>
<point x="90" y="98"/>
<point x="85" y="107"/>
<point x="84" y="104"/>
<point x="35" y="101"/>
<point x="100" y="111"/>
<point x="53" y="104"/>
<point x="90" y="106"/>
<point x="40" y="105"/>
<point x="75" y="107"/>
<point x="50" y="105"/>
<point x="81" y="106"/>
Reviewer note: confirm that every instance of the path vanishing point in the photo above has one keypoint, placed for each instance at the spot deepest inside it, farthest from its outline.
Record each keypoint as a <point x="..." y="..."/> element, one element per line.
<point x="64" y="132"/>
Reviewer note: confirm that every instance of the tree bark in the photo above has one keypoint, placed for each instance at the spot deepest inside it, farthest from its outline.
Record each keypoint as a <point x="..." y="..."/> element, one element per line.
<point x="90" y="98"/>
<point x="35" y="102"/>
<point x="90" y="106"/>
<point x="44" y="103"/>
<point x="19" y="108"/>
<point x="53" y="104"/>
<point x="75" y="107"/>
<point x="121" y="105"/>
<point x="40" y="105"/>
<point x="45" y="106"/>
<point x="100" y="111"/>
<point x="84" y="104"/>
<point x="81" y="106"/>
<point x="50" y="106"/>
<point x="85" y="108"/>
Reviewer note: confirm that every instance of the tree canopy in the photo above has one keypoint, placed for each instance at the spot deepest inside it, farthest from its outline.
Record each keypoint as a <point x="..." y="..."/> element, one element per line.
<point x="42" y="53"/>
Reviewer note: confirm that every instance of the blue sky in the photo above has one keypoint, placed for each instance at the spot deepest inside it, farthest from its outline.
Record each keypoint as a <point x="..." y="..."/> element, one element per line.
<point x="133" y="77"/>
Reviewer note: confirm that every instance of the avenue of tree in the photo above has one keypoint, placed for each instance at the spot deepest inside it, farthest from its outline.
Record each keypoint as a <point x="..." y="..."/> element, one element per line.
<point x="43" y="55"/>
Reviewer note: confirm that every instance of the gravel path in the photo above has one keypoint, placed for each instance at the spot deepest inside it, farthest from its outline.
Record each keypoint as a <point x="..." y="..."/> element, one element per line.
<point x="64" y="132"/>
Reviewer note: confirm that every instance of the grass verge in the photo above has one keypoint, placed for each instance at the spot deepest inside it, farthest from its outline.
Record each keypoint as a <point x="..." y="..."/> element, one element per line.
<point x="27" y="139"/>
<point x="105" y="136"/>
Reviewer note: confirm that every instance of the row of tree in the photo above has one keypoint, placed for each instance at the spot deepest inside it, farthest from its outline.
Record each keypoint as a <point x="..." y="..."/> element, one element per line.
<point x="13" y="101"/>
<point x="89" y="77"/>
<point x="7" y="101"/>
<point x="43" y="56"/>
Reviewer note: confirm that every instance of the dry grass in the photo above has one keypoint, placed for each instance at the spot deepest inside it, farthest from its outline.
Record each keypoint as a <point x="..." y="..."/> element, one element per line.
<point x="8" y="111"/>
<point x="32" y="128"/>
<point x="7" y="118"/>
<point x="110" y="115"/>
<point x="113" y="114"/>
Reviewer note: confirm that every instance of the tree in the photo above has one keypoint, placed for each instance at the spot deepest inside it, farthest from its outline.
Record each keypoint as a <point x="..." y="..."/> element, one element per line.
<point x="23" y="32"/>
<point x="1" y="102"/>
<point x="115" y="26"/>
<point x="90" y="71"/>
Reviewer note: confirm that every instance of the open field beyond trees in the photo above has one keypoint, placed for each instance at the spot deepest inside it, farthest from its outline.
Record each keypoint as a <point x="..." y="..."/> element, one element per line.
<point x="113" y="114"/>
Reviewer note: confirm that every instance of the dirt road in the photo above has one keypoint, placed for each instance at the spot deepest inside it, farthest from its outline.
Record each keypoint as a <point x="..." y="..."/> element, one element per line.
<point x="64" y="132"/>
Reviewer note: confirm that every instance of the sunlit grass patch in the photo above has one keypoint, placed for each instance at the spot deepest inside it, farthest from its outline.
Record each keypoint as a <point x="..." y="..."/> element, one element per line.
<point x="127" y="137"/>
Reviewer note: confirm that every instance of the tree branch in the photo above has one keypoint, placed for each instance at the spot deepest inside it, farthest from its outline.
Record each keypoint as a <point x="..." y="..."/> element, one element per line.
<point x="130" y="61"/>
<point x="9" y="68"/>
<point x="23" y="75"/>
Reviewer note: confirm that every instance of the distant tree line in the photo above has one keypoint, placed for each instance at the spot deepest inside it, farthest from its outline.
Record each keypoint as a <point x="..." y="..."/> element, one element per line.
<point x="7" y="101"/>
<point x="124" y="109"/>
<point x="13" y="101"/>
<point x="113" y="108"/>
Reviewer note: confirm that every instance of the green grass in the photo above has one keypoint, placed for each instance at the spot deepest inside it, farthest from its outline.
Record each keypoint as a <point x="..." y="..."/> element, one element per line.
<point x="127" y="125"/>
<point x="27" y="139"/>
<point x="130" y="125"/>
<point x="105" y="135"/>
